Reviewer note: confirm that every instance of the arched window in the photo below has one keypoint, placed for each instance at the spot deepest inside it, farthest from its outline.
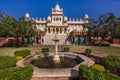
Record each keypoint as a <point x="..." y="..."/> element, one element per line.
<point x="54" y="18"/>
<point x="45" y="29"/>
<point x="57" y="19"/>
<point x="60" y="30"/>
<point x="53" y="30"/>
<point x="57" y="30"/>
<point x="60" y="19"/>
<point x="49" y="30"/>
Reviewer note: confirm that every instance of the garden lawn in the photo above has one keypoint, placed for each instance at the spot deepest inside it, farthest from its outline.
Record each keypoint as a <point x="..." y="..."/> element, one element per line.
<point x="106" y="50"/>
<point x="115" y="51"/>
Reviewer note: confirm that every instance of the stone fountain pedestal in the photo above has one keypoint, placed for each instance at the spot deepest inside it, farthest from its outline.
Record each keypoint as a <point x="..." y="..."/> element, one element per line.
<point x="56" y="57"/>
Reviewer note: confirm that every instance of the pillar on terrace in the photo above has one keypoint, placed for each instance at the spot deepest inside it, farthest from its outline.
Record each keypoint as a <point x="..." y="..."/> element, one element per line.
<point x="35" y="42"/>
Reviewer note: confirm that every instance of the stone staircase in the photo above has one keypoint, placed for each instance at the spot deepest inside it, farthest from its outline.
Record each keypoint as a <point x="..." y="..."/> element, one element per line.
<point x="48" y="39"/>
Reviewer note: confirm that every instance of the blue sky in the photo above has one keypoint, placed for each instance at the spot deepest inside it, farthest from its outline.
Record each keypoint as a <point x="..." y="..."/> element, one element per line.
<point x="71" y="8"/>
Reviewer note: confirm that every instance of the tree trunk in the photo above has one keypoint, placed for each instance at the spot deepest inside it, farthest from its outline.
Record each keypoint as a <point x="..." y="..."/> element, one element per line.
<point x="103" y="38"/>
<point x="17" y="42"/>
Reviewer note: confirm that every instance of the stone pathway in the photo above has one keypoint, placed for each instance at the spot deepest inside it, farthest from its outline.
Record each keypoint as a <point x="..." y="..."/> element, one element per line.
<point x="115" y="45"/>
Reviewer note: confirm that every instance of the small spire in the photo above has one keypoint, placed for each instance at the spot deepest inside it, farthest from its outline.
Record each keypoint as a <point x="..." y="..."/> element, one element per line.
<point x="57" y="1"/>
<point x="57" y="7"/>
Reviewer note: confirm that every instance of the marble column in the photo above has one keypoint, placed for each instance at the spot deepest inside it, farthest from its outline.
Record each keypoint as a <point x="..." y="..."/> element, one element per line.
<point x="55" y="30"/>
<point x="58" y="30"/>
<point x="56" y="47"/>
<point x="62" y="30"/>
<point x="35" y="42"/>
<point x="47" y="30"/>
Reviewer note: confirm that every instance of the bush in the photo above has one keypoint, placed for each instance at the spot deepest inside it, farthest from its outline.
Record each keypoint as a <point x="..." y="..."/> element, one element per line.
<point x="88" y="52"/>
<point x="66" y="49"/>
<point x="110" y="62"/>
<point x="88" y="73"/>
<point x="98" y="67"/>
<point x="7" y="62"/>
<point x="19" y="58"/>
<point x="45" y="50"/>
<point x="17" y="73"/>
<point x="38" y="53"/>
<point x="22" y="53"/>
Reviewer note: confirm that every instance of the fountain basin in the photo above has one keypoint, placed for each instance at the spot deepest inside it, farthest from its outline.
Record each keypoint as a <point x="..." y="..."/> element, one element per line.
<point x="48" y="62"/>
<point x="56" y="72"/>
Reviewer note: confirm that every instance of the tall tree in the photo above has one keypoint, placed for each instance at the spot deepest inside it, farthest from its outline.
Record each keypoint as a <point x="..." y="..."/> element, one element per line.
<point x="10" y="27"/>
<point x="108" y="25"/>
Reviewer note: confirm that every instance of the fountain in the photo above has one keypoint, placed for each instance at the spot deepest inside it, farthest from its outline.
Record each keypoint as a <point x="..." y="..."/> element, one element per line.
<point x="55" y="60"/>
<point x="56" y="57"/>
<point x="64" y="65"/>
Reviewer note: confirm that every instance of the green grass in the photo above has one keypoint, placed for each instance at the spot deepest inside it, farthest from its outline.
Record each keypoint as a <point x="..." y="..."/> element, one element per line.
<point x="107" y="50"/>
<point x="95" y="49"/>
<point x="10" y="50"/>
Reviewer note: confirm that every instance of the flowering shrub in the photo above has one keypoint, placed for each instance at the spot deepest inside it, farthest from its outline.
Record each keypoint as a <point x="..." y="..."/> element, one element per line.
<point x="38" y="53"/>
<point x="19" y="58"/>
<point x="98" y="67"/>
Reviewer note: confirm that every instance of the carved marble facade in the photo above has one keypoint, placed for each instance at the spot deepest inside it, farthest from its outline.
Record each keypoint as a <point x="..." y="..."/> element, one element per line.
<point x="58" y="24"/>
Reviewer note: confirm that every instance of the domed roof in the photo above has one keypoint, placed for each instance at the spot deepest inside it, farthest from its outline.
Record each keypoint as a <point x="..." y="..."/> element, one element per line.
<point x="27" y="15"/>
<point x="49" y="18"/>
<point x="86" y="16"/>
<point x="65" y="18"/>
<point x="86" y="29"/>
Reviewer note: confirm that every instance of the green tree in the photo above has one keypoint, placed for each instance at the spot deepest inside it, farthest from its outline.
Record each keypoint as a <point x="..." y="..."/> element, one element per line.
<point x="106" y="25"/>
<point x="10" y="27"/>
<point x="28" y="28"/>
<point x="6" y="25"/>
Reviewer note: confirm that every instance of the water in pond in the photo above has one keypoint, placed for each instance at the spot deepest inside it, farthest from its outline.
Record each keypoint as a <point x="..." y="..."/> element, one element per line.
<point x="66" y="62"/>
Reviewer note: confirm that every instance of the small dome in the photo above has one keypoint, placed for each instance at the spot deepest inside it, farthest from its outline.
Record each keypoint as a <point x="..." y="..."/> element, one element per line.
<point x="27" y="15"/>
<point x="86" y="16"/>
<point x="49" y="18"/>
<point x="86" y="29"/>
<point x="81" y="21"/>
<point x="65" y="18"/>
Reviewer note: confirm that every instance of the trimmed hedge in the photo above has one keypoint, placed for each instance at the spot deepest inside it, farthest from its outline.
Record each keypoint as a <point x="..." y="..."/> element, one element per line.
<point x="38" y="53"/>
<point x="45" y="50"/>
<point x="16" y="73"/>
<point x="88" y="73"/>
<point x="7" y="62"/>
<point x="66" y="49"/>
<point x="98" y="67"/>
<point x="110" y="62"/>
<point x="19" y="58"/>
<point x="88" y="52"/>
<point x="22" y="53"/>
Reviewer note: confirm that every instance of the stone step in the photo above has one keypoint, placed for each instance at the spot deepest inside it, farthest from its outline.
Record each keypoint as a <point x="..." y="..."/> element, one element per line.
<point x="48" y="39"/>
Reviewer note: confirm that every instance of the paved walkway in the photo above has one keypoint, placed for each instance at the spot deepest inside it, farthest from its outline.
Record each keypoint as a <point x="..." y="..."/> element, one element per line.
<point x="115" y="45"/>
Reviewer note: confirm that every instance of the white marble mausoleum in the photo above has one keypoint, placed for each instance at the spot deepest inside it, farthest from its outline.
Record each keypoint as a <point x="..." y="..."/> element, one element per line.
<point x="68" y="31"/>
